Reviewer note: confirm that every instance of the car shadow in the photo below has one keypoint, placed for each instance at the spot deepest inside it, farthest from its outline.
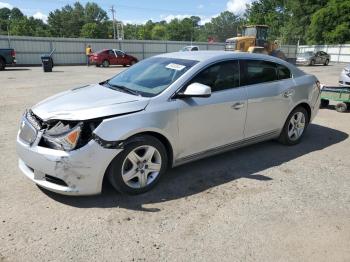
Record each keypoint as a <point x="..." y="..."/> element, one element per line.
<point x="17" y="69"/>
<point x="199" y="176"/>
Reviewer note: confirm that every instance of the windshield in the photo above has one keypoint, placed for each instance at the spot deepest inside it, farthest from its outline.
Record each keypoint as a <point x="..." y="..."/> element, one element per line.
<point x="186" y="48"/>
<point x="150" y="77"/>
<point x="249" y="31"/>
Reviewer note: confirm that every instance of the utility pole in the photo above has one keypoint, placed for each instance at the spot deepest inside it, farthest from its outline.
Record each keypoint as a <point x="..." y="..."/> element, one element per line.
<point x="113" y="17"/>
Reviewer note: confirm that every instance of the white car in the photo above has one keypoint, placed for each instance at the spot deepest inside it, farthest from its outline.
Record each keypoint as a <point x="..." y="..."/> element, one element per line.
<point x="162" y="112"/>
<point x="344" y="79"/>
<point x="190" y="48"/>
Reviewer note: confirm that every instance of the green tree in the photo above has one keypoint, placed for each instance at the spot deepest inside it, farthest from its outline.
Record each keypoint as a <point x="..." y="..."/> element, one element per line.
<point x="224" y="26"/>
<point x="331" y="24"/>
<point x="4" y="19"/>
<point x="159" y="32"/>
<point x="16" y="14"/>
<point x="69" y="20"/>
<point x="300" y="13"/>
<point x="90" y="30"/>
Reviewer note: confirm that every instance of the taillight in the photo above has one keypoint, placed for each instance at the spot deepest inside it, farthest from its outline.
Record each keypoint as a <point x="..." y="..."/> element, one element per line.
<point x="13" y="53"/>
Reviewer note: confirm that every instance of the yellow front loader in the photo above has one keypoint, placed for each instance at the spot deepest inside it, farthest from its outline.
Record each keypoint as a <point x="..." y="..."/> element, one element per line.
<point x="254" y="40"/>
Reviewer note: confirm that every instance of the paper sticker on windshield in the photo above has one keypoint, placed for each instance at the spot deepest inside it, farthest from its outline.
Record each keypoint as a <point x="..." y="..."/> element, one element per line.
<point x="175" y="66"/>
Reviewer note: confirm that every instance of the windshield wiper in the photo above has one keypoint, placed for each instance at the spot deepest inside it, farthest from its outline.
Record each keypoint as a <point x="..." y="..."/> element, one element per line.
<point x="124" y="89"/>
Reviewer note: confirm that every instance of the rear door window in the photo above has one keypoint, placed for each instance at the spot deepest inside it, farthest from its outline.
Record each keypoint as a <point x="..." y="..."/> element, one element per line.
<point x="283" y="72"/>
<point x="119" y="53"/>
<point x="258" y="71"/>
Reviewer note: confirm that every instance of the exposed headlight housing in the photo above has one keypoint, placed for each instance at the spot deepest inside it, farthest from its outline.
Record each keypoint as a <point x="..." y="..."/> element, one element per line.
<point x="63" y="136"/>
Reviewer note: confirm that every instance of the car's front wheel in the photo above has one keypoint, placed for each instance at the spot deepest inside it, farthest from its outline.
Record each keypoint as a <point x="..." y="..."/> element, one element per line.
<point x="139" y="166"/>
<point x="326" y="62"/>
<point x="295" y="127"/>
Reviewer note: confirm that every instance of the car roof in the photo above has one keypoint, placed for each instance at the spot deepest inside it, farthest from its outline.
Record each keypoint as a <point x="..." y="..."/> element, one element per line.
<point x="207" y="57"/>
<point x="202" y="56"/>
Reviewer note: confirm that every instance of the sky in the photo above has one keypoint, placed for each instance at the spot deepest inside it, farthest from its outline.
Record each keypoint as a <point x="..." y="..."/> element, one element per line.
<point x="137" y="11"/>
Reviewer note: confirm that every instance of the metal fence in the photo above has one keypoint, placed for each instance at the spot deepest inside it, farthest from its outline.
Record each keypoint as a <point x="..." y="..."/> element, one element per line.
<point x="72" y="50"/>
<point x="338" y="53"/>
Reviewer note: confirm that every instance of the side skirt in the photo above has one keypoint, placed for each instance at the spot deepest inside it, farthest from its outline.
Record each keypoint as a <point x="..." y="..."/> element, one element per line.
<point x="228" y="147"/>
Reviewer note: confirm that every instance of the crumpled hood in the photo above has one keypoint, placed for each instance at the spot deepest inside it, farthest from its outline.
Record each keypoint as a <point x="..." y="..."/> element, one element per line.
<point x="88" y="102"/>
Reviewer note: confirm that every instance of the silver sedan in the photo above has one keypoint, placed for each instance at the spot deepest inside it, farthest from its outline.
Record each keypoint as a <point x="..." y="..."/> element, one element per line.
<point x="162" y="112"/>
<point x="311" y="58"/>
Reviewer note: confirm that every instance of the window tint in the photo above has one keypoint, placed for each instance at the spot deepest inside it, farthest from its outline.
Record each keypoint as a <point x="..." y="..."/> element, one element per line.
<point x="110" y="52"/>
<point x="119" y="53"/>
<point x="195" y="48"/>
<point x="255" y="72"/>
<point x="221" y="76"/>
<point x="283" y="72"/>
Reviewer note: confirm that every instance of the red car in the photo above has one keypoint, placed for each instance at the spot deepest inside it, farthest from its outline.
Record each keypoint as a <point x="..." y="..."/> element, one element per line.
<point x="109" y="57"/>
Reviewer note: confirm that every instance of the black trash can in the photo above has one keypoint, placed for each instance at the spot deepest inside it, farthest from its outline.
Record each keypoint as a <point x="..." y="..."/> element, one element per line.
<point x="47" y="63"/>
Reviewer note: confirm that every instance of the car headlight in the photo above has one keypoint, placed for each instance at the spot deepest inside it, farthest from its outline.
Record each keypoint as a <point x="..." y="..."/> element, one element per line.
<point x="63" y="136"/>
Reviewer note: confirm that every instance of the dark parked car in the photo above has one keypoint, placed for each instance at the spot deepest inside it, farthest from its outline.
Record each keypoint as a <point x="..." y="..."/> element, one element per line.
<point x="311" y="58"/>
<point x="7" y="57"/>
<point x="109" y="57"/>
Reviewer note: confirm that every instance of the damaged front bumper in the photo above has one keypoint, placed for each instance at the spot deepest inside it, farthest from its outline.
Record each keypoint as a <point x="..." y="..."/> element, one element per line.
<point x="78" y="172"/>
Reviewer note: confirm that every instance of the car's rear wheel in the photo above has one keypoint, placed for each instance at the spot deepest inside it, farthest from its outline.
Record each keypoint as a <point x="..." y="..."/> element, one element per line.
<point x="138" y="168"/>
<point x="326" y="62"/>
<point x="105" y="63"/>
<point x="295" y="126"/>
<point x="2" y="64"/>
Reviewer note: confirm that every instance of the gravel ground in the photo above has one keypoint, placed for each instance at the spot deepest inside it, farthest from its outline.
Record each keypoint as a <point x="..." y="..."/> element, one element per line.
<point x="266" y="202"/>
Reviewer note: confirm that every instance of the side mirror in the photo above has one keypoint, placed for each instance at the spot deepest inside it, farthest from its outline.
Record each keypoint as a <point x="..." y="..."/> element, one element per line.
<point x="196" y="90"/>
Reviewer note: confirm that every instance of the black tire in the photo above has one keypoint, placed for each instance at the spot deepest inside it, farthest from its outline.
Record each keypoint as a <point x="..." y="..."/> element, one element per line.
<point x="324" y="103"/>
<point x="284" y="138"/>
<point x="326" y="62"/>
<point x="97" y="65"/>
<point x="133" y="62"/>
<point x="341" y="107"/>
<point x="114" y="172"/>
<point x="105" y="63"/>
<point x="2" y="64"/>
<point x="312" y="63"/>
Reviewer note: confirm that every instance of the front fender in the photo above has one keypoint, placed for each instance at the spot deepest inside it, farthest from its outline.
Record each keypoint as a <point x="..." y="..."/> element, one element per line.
<point x="121" y="128"/>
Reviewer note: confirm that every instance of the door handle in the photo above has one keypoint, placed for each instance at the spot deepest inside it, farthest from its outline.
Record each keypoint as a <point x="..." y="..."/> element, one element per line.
<point x="237" y="106"/>
<point x="288" y="93"/>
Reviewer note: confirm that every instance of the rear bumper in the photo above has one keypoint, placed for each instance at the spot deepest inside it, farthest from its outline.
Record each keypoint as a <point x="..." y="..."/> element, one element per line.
<point x="302" y="62"/>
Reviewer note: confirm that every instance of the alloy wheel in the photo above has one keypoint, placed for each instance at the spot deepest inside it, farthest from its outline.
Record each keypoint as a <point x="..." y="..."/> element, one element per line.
<point x="141" y="166"/>
<point x="296" y="126"/>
